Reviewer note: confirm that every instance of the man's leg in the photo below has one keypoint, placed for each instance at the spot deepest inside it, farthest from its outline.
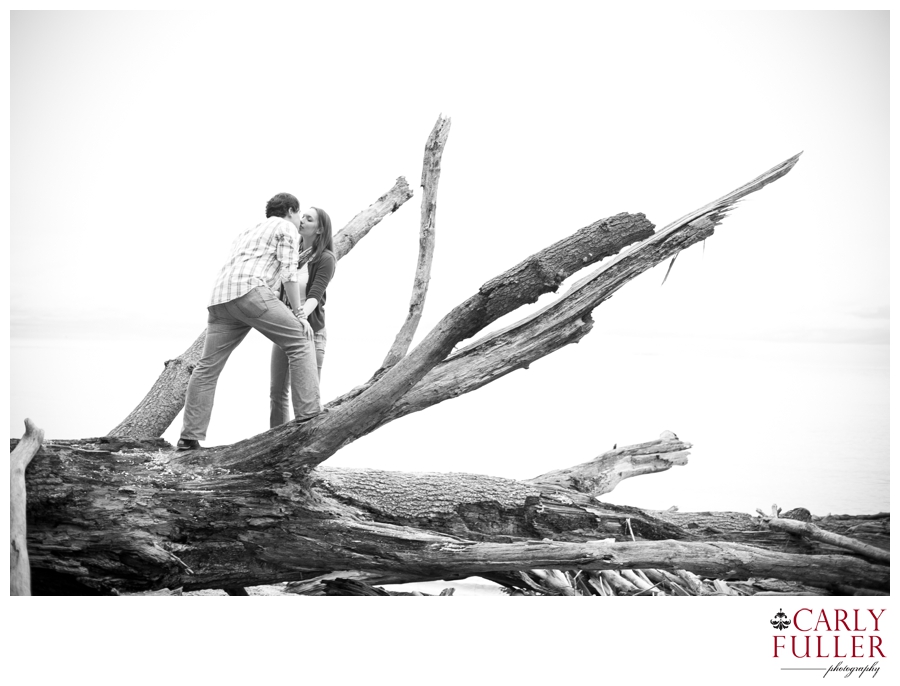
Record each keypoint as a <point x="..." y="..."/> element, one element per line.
<point x="274" y="320"/>
<point x="279" y="388"/>
<point x="223" y="333"/>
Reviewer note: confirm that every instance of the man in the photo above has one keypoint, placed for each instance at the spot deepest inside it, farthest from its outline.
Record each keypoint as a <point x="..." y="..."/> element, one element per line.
<point x="244" y="297"/>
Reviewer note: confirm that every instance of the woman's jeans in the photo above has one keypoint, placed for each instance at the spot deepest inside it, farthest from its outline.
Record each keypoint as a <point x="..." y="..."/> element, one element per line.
<point x="227" y="325"/>
<point x="281" y="380"/>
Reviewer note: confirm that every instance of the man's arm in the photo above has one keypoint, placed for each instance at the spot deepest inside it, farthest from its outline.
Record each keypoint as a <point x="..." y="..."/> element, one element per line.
<point x="292" y="288"/>
<point x="287" y="254"/>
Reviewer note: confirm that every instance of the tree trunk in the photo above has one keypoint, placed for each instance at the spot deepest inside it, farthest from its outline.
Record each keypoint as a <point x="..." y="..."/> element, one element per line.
<point x="117" y="517"/>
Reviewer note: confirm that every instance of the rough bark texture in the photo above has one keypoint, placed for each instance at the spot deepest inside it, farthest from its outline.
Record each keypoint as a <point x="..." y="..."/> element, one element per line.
<point x="605" y="472"/>
<point x="816" y="533"/>
<point x="431" y="175"/>
<point x="873" y="530"/>
<point x="156" y="412"/>
<point x="118" y="516"/>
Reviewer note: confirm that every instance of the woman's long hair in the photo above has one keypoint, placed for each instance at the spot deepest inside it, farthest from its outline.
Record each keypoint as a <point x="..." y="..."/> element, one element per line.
<point x="324" y="239"/>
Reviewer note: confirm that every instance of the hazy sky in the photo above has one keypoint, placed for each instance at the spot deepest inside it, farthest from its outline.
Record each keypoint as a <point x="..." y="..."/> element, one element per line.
<point x="157" y="137"/>
<point x="142" y="143"/>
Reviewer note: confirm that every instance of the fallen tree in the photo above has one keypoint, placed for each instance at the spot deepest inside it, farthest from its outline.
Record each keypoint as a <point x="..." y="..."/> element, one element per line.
<point x="123" y="513"/>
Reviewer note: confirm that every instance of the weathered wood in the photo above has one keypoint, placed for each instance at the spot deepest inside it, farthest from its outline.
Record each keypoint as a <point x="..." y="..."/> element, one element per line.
<point x="165" y="399"/>
<point x="618" y="583"/>
<point x="740" y="527"/>
<point x="358" y="227"/>
<point x="19" y="459"/>
<point x="118" y="516"/>
<point x="812" y="531"/>
<point x="564" y="321"/>
<point x="431" y="175"/>
<point x="603" y="473"/>
<point x="480" y="507"/>
<point x="298" y="447"/>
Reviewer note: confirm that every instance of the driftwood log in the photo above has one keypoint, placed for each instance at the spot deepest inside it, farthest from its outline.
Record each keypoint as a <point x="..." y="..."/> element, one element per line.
<point x="19" y="459"/>
<point x="123" y="513"/>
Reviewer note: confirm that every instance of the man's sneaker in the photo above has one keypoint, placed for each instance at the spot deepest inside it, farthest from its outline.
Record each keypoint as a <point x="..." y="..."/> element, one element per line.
<point x="188" y="444"/>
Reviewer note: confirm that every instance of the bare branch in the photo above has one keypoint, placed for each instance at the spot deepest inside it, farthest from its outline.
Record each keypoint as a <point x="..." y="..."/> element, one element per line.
<point x="431" y="175"/>
<point x="301" y="447"/>
<point x="357" y="228"/>
<point x="432" y="556"/>
<point x="795" y="527"/>
<point x="565" y="321"/>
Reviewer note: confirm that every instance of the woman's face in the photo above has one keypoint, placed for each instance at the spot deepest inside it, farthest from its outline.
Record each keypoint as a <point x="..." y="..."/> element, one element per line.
<point x="309" y="225"/>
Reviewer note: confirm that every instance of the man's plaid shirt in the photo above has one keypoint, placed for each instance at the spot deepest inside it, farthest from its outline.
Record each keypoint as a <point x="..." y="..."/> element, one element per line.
<point x="265" y="255"/>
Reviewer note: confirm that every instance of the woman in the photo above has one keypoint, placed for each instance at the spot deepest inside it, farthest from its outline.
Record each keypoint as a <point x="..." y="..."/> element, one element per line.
<point x="314" y="277"/>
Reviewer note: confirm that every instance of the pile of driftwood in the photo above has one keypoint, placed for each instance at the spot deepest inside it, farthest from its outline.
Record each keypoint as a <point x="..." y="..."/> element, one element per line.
<point x="677" y="582"/>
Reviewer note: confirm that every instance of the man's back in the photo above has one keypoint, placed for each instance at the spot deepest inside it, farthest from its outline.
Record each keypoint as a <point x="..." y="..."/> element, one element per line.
<point x="258" y="257"/>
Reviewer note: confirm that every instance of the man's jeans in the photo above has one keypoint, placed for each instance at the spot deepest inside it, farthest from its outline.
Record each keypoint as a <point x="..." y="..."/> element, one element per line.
<point x="280" y="380"/>
<point x="227" y="326"/>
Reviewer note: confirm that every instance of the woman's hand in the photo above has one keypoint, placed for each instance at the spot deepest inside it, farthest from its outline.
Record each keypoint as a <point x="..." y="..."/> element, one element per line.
<point x="307" y="327"/>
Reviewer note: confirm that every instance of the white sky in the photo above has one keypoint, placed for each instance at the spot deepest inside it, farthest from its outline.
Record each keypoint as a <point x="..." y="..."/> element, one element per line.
<point x="141" y="143"/>
<point x="159" y="136"/>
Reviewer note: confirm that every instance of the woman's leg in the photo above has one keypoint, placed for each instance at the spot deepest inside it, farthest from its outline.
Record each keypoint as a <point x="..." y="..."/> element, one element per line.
<point x="321" y="340"/>
<point x="262" y="310"/>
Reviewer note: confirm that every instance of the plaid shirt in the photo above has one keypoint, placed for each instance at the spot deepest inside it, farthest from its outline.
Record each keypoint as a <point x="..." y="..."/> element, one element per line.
<point x="265" y="255"/>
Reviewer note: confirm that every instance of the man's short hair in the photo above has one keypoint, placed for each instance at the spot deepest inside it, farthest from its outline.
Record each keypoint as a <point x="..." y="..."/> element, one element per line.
<point x="279" y="205"/>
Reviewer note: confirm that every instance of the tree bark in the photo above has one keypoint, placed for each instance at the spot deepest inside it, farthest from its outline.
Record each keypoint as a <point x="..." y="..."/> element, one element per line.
<point x="605" y="472"/>
<point x="431" y="175"/>
<point x="792" y="526"/>
<point x="19" y="459"/>
<point x="156" y="412"/>
<point x="118" y="517"/>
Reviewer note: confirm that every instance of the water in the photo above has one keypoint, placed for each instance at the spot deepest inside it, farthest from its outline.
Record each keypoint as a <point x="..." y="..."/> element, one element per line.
<point x="798" y="425"/>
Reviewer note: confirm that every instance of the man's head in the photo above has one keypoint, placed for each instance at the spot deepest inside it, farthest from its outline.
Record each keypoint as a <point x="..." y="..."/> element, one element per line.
<point x="286" y="206"/>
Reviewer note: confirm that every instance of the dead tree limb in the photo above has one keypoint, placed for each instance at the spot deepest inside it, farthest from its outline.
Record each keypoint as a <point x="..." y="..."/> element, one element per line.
<point x="156" y="412"/>
<point x="605" y="472"/>
<point x="431" y="175"/>
<point x="722" y="560"/>
<point x="792" y="526"/>
<point x="566" y="320"/>
<point x="116" y="516"/>
<point x="19" y="459"/>
<point x="299" y="448"/>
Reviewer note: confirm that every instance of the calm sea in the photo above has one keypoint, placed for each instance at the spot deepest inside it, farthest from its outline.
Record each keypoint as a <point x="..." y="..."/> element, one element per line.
<point x="798" y="425"/>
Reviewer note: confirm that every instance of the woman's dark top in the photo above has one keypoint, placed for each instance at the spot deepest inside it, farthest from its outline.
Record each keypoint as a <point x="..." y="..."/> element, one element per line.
<point x="320" y="274"/>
